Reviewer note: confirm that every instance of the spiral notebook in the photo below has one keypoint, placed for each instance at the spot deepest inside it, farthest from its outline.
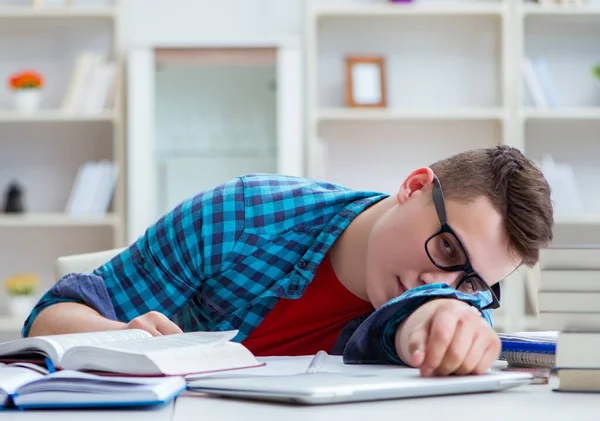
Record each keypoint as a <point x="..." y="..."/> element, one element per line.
<point x="529" y="349"/>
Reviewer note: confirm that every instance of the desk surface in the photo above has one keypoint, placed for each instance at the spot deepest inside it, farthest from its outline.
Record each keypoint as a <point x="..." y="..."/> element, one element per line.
<point x="527" y="403"/>
<point x="535" y="402"/>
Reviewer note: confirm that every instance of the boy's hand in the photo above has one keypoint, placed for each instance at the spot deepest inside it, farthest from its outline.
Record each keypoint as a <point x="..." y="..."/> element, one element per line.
<point x="154" y="323"/>
<point x="447" y="336"/>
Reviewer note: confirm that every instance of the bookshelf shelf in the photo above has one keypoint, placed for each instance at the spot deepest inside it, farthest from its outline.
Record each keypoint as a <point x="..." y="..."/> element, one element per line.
<point x="342" y="114"/>
<point x="583" y="219"/>
<point x="590" y="113"/>
<point x="58" y="116"/>
<point x="557" y="10"/>
<point x="49" y="220"/>
<point x="398" y="10"/>
<point x="25" y="12"/>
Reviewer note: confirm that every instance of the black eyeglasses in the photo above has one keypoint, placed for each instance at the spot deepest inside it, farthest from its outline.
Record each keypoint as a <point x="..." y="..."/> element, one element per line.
<point x="447" y="253"/>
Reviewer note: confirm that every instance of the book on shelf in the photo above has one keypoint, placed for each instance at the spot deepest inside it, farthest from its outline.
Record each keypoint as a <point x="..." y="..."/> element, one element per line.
<point x="93" y="188"/>
<point x="567" y="302"/>
<point x="133" y="352"/>
<point x="92" y="84"/>
<point x="539" y="82"/>
<point x="26" y="387"/>
<point x="582" y="257"/>
<point x="570" y="280"/>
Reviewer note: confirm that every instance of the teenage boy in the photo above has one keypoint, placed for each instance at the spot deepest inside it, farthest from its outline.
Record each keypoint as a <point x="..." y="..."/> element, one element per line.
<point x="298" y="265"/>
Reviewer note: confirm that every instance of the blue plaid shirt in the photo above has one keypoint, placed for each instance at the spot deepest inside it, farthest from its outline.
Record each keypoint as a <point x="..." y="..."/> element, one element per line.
<point x="223" y="258"/>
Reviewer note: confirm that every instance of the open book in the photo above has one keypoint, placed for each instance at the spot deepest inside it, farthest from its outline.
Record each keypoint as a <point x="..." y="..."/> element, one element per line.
<point x="33" y="387"/>
<point x="134" y="352"/>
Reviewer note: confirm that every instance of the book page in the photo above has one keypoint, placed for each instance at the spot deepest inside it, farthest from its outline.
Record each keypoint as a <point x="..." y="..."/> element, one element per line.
<point x="13" y="377"/>
<point x="176" y="341"/>
<point x="62" y="343"/>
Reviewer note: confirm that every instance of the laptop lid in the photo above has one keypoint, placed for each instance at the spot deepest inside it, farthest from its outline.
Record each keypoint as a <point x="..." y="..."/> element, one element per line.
<point x="322" y="388"/>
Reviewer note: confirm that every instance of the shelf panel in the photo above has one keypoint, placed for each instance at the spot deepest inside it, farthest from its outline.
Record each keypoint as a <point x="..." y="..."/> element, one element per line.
<point x="558" y="10"/>
<point x="583" y="219"/>
<point x="344" y="114"/>
<point x="408" y="9"/>
<point x="57" y="12"/>
<point x="590" y="113"/>
<point x="47" y="115"/>
<point x="50" y="220"/>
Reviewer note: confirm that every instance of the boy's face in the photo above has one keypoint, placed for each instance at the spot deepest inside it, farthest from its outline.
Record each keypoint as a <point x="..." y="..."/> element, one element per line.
<point x="396" y="256"/>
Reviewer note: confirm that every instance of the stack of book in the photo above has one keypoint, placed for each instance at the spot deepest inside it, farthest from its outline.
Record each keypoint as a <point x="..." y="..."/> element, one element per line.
<point x="569" y="302"/>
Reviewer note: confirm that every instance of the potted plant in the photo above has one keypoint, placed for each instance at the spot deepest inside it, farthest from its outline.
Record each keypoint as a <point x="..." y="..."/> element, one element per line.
<point x="27" y="87"/>
<point x="596" y="71"/>
<point x="21" y="290"/>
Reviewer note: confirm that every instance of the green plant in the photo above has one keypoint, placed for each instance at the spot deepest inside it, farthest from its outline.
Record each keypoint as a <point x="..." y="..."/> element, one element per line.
<point x="596" y="71"/>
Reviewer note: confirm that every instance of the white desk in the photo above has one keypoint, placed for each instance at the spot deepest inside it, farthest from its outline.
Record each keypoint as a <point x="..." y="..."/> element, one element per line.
<point x="527" y="403"/>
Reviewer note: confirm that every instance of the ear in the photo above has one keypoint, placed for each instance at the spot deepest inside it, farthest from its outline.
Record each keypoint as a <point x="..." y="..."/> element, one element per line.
<point x="419" y="178"/>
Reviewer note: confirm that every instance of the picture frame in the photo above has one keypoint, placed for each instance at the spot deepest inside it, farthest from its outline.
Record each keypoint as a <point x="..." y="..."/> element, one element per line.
<point x="365" y="81"/>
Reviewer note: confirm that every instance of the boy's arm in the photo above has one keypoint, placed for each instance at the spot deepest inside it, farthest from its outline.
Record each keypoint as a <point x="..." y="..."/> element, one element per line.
<point x="160" y="272"/>
<point x="374" y="341"/>
<point x="69" y="317"/>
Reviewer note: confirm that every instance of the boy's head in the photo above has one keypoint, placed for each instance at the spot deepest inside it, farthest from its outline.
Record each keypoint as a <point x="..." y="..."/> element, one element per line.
<point x="497" y="204"/>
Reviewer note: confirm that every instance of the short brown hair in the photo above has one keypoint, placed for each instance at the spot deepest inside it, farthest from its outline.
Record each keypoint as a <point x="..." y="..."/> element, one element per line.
<point x="515" y="186"/>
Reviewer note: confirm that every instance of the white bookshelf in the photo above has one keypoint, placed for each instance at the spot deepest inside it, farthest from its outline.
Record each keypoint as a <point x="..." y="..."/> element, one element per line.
<point x="41" y="220"/>
<point x="57" y="116"/>
<point x="49" y="12"/>
<point x="43" y="151"/>
<point x="382" y="9"/>
<point x="454" y="81"/>
<point x="533" y="9"/>
<point x="583" y="113"/>
<point x="344" y="114"/>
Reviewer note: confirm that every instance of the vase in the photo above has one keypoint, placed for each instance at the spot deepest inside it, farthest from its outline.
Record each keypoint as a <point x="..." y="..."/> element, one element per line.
<point x="21" y="305"/>
<point x="27" y="100"/>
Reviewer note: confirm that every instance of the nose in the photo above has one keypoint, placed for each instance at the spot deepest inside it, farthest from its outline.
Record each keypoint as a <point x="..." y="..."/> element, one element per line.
<point x="440" y="277"/>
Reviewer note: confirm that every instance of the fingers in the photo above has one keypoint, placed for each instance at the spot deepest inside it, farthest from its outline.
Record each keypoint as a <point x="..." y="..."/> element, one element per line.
<point x="167" y="327"/>
<point x="454" y="340"/>
<point x="458" y="350"/>
<point x="441" y="335"/>
<point x="473" y="356"/>
<point x="491" y="354"/>
<point x="417" y="343"/>
<point x="155" y="323"/>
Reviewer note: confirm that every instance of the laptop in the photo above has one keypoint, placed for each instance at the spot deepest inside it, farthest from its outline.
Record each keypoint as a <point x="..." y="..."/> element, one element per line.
<point x="328" y="388"/>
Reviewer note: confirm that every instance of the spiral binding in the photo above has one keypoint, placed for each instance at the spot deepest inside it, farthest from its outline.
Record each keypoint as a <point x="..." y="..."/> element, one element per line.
<point x="530" y="359"/>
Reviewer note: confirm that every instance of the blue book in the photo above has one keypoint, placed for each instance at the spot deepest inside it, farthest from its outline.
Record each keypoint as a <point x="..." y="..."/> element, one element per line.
<point x="28" y="387"/>
<point x="529" y="349"/>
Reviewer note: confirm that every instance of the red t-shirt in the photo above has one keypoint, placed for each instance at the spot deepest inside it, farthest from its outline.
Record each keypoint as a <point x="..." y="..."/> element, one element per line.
<point x="310" y="323"/>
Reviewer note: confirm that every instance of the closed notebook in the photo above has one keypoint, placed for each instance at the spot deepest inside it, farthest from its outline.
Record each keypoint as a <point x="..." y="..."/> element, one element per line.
<point x="23" y="387"/>
<point x="133" y="352"/>
<point x="529" y="349"/>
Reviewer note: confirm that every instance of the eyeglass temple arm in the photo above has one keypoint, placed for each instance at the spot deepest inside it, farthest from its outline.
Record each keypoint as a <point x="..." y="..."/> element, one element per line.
<point x="438" y="200"/>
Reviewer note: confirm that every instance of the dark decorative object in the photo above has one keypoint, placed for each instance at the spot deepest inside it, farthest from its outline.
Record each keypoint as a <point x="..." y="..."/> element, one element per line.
<point x="14" y="199"/>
